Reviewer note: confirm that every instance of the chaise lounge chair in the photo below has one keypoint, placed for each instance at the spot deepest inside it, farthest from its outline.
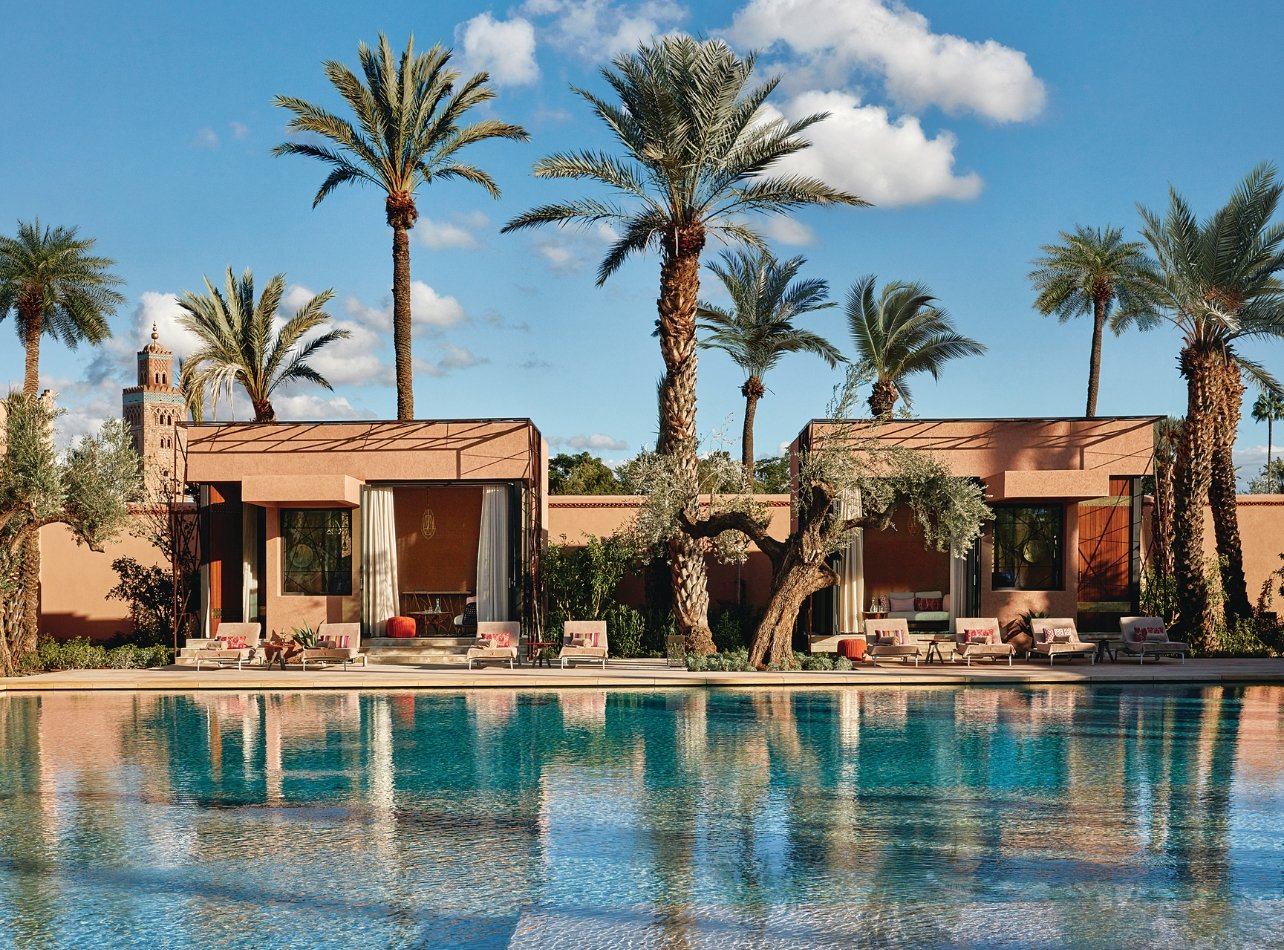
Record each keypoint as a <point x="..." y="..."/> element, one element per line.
<point x="336" y="643"/>
<point x="228" y="653"/>
<point x="1147" y="636"/>
<point x="497" y="640"/>
<point x="584" y="640"/>
<point x="980" y="636"/>
<point x="890" y="637"/>
<point x="1058" y="636"/>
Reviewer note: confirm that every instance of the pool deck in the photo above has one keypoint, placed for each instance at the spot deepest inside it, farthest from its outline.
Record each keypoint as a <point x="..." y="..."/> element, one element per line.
<point x="650" y="674"/>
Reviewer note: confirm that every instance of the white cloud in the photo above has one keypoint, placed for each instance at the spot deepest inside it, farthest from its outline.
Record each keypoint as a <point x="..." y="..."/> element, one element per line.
<point x="430" y="309"/>
<point x="596" y="30"/>
<point x="294" y="299"/>
<point x="598" y="440"/>
<point x="573" y="250"/>
<point x="503" y="48"/>
<point x="457" y="232"/>
<point x="239" y="129"/>
<point x="861" y="150"/>
<point x="355" y="361"/>
<point x="784" y="230"/>
<point x="162" y="310"/>
<point x="918" y="67"/>
<point x="205" y="138"/>
<point x="308" y="406"/>
<point x="455" y="358"/>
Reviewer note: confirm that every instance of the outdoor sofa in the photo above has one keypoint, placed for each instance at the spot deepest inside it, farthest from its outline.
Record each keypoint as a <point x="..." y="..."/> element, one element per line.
<point x="919" y="607"/>
<point x="889" y="637"/>
<point x="583" y="640"/>
<point x="1058" y="636"/>
<point x="1147" y="636"/>
<point x="497" y="641"/>
<point x="980" y="636"/>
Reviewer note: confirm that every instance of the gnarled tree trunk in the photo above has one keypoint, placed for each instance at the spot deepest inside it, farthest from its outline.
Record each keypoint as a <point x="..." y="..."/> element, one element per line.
<point x="1192" y="478"/>
<point x="1221" y="494"/>
<point x="679" y="292"/>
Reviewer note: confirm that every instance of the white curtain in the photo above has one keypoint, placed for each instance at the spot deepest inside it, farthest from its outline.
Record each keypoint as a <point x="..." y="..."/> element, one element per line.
<point x="380" y="598"/>
<point x="492" y="556"/>
<point x="958" y="584"/>
<point x="249" y="563"/>
<point x="851" y="585"/>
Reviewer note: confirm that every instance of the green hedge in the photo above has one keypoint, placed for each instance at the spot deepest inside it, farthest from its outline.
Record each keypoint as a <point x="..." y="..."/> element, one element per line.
<point x="80" y="653"/>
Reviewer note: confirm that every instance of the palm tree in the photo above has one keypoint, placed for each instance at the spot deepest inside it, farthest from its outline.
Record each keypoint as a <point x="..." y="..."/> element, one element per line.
<point x="758" y="329"/>
<point x="900" y="333"/>
<point x="1217" y="286"/>
<point x="55" y="287"/>
<point x="239" y="344"/>
<point x="1094" y="271"/>
<point x="1268" y="408"/>
<point x="696" y="157"/>
<point x="408" y="133"/>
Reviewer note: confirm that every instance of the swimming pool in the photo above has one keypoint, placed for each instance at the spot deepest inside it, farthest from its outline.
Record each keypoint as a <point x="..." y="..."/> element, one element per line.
<point x="978" y="817"/>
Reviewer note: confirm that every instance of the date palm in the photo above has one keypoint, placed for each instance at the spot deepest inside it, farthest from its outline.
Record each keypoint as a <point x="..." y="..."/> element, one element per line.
<point x="900" y="333"/>
<point x="758" y="328"/>
<point x="1219" y="284"/>
<point x="55" y="288"/>
<point x="1096" y="272"/>
<point x="409" y="132"/>
<point x="695" y="156"/>
<point x="239" y="344"/>
<point x="1268" y="408"/>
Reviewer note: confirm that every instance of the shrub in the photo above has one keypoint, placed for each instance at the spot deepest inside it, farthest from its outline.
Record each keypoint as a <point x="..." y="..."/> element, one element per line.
<point x="843" y="665"/>
<point x="733" y="625"/>
<point x="626" y="628"/>
<point x="820" y="662"/>
<point x="80" y="654"/>
<point x="697" y="662"/>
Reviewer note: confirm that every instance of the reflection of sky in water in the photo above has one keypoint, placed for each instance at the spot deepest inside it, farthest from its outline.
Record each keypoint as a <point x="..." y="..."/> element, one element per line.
<point x="927" y="817"/>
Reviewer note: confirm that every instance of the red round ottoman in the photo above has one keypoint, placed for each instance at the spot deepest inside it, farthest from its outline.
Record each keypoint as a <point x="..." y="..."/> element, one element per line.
<point x="401" y="626"/>
<point x="853" y="648"/>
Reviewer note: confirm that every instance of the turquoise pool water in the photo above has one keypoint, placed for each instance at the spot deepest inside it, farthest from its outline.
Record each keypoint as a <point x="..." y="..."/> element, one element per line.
<point x="1040" y="817"/>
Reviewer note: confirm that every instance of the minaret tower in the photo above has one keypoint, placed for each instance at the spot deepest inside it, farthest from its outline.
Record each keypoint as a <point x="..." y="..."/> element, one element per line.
<point x="152" y="410"/>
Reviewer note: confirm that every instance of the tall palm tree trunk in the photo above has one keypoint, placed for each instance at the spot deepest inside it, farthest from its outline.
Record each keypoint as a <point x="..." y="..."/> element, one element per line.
<point x="752" y="390"/>
<point x="1192" y="477"/>
<point x="402" y="213"/>
<point x="29" y="572"/>
<point x="1094" y="356"/>
<point x="679" y="292"/>
<point x="1162" y="526"/>
<point x="1221" y="495"/>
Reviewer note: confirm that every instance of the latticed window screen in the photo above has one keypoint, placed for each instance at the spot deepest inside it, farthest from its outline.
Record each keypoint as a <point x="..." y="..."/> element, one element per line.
<point x="1029" y="547"/>
<point x="318" y="550"/>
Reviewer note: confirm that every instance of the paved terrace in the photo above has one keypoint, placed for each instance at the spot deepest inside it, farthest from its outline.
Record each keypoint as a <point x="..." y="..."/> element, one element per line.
<point x="652" y="674"/>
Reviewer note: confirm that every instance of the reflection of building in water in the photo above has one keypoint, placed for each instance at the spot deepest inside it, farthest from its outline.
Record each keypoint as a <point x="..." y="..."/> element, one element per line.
<point x="1261" y="733"/>
<point x="976" y="706"/>
<point x="585" y="708"/>
<point x="885" y="708"/>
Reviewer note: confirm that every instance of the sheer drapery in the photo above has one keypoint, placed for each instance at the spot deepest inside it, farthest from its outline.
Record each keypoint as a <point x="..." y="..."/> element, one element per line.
<point x="380" y="598"/>
<point x="958" y="585"/>
<point x="249" y="563"/>
<point x="492" y="556"/>
<point x="851" y="584"/>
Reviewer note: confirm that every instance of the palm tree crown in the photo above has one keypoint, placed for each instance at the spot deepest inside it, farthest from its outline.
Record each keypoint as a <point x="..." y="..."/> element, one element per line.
<point x="409" y="132"/>
<point x="900" y="333"/>
<point x="1268" y="408"/>
<point x="758" y="329"/>
<point x="56" y="288"/>
<point x="1095" y="272"/>
<point x="238" y="343"/>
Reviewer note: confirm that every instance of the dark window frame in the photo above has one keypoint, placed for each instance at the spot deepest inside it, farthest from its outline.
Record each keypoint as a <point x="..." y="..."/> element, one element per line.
<point x="324" y="559"/>
<point x="1005" y="574"/>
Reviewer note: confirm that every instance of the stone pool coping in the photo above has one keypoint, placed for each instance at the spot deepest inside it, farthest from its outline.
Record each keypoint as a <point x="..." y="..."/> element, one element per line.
<point x="649" y="674"/>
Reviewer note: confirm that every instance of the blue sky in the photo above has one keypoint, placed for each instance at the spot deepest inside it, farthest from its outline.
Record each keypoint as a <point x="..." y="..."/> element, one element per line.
<point x="978" y="130"/>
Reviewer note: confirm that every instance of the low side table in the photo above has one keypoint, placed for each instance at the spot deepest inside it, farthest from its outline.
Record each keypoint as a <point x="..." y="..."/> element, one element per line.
<point x="934" y="649"/>
<point x="535" y="654"/>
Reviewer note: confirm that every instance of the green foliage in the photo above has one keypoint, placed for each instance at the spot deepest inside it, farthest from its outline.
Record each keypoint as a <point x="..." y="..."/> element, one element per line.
<point x="581" y="474"/>
<point x="1270" y="481"/>
<point x="729" y="661"/>
<point x="771" y="476"/>
<point x="843" y="665"/>
<point x="1158" y="595"/>
<point x="246" y="341"/>
<point x="733" y="625"/>
<point x="1024" y="622"/>
<point x="579" y="580"/>
<point x="149" y="591"/>
<point x="626" y="629"/>
<point x="820" y="662"/>
<point x="80" y="653"/>
<point x="305" y="636"/>
<point x="1244" y="639"/>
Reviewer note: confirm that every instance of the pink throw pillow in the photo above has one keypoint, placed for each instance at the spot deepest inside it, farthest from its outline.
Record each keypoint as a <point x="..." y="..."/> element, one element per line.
<point x="929" y="604"/>
<point x="1151" y="634"/>
<point x="501" y="639"/>
<point x="976" y="636"/>
<point x="902" y="604"/>
<point x="233" y="643"/>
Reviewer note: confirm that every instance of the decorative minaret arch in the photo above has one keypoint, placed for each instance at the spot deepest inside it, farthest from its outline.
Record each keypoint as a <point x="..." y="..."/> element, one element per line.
<point x="152" y="410"/>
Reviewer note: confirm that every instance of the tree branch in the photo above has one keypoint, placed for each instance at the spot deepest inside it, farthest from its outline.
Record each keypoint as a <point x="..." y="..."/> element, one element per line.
<point x="714" y="524"/>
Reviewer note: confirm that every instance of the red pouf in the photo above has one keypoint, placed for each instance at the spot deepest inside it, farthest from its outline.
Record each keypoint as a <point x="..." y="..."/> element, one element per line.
<point x="401" y="626"/>
<point x="853" y="649"/>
